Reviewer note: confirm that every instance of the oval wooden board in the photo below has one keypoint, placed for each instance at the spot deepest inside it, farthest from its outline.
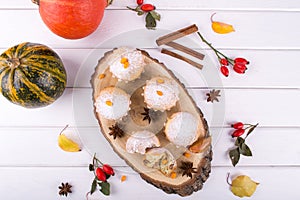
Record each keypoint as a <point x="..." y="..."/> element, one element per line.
<point x="181" y="185"/>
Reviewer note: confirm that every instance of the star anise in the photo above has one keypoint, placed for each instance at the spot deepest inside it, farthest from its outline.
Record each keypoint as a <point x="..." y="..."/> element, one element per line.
<point x="116" y="131"/>
<point x="187" y="168"/>
<point x="213" y="95"/>
<point x="65" y="189"/>
<point x="146" y="115"/>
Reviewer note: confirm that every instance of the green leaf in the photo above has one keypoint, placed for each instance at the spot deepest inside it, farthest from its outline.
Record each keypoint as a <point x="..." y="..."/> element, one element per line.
<point x="105" y="188"/>
<point x="245" y="150"/>
<point x="251" y="129"/>
<point x="239" y="141"/>
<point x="91" y="167"/>
<point x="150" y="21"/>
<point x="155" y="15"/>
<point x="94" y="186"/>
<point x="234" y="156"/>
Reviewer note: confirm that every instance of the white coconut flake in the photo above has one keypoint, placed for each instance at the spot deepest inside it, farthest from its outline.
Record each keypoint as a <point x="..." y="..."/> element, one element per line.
<point x="182" y="128"/>
<point x="120" y="103"/>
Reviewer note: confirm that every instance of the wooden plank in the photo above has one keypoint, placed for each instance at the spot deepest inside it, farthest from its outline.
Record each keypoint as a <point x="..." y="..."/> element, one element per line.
<point x="44" y="182"/>
<point x="249" y="105"/>
<point x="37" y="146"/>
<point x="115" y="26"/>
<point x="261" y="73"/>
<point x="181" y="4"/>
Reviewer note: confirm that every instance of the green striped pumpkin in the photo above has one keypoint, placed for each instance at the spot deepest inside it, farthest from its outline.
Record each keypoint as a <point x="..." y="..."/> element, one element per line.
<point x="31" y="75"/>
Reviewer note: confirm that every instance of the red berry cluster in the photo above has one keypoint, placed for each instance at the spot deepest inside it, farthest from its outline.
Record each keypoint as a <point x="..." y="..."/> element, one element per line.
<point x="145" y="7"/>
<point x="240" y="128"/>
<point x="102" y="173"/>
<point x="149" y="10"/>
<point x="238" y="64"/>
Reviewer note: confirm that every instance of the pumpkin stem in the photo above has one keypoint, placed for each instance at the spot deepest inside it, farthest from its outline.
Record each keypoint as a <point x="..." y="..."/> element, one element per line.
<point x="14" y="63"/>
<point x="37" y="2"/>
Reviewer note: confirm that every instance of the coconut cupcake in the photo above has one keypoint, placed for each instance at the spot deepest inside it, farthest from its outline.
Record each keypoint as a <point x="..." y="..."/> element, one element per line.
<point x="129" y="66"/>
<point x="112" y="103"/>
<point x="161" y="93"/>
<point x="140" y="141"/>
<point x="182" y="129"/>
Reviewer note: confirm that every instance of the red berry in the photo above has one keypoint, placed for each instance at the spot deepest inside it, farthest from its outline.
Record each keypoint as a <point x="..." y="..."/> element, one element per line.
<point x="237" y="125"/>
<point x="224" y="61"/>
<point x="147" y="7"/>
<point x="100" y="174"/>
<point x="239" y="68"/>
<point x="139" y="2"/>
<point x="108" y="170"/>
<point x="238" y="132"/>
<point x="241" y="61"/>
<point x="224" y="70"/>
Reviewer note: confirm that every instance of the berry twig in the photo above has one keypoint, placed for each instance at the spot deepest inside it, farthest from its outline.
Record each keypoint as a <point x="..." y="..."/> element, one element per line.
<point x="151" y="15"/>
<point x="240" y="143"/>
<point x="238" y="64"/>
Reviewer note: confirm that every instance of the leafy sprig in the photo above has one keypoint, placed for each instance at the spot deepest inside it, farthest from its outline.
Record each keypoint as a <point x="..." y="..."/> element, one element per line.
<point x="151" y="17"/>
<point x="241" y="148"/>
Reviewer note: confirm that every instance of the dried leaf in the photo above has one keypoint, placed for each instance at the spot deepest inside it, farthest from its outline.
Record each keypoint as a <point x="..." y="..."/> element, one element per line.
<point x="243" y="186"/>
<point x="220" y="27"/>
<point x="105" y="188"/>
<point x="234" y="155"/>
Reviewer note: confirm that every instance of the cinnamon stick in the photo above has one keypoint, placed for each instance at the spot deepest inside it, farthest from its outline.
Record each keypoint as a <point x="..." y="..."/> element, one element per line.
<point x="186" y="50"/>
<point x="175" y="55"/>
<point x="177" y="34"/>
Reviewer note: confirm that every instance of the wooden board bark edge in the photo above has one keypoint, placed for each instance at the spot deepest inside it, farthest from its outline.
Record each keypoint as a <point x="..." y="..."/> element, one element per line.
<point x="204" y="167"/>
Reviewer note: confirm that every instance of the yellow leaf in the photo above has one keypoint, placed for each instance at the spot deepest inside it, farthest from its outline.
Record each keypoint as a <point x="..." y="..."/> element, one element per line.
<point x="220" y="27"/>
<point x="243" y="186"/>
<point x="67" y="144"/>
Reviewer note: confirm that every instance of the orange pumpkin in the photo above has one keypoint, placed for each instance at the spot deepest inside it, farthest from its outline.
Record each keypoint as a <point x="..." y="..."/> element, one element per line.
<point x="72" y="19"/>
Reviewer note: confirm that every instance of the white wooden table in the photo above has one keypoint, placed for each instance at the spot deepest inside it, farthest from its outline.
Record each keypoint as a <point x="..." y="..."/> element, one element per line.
<point x="32" y="166"/>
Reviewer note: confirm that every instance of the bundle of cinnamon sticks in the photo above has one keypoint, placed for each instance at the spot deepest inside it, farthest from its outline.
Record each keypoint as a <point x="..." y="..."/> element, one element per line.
<point x="168" y="40"/>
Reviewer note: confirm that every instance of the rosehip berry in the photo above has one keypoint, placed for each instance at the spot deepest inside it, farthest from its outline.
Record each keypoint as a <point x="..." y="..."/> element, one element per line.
<point x="108" y="170"/>
<point x="100" y="174"/>
<point x="224" y="61"/>
<point x="147" y="7"/>
<point x="237" y="125"/>
<point x="239" y="68"/>
<point x="224" y="71"/>
<point x="139" y="2"/>
<point x="241" y="61"/>
<point x="238" y="132"/>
